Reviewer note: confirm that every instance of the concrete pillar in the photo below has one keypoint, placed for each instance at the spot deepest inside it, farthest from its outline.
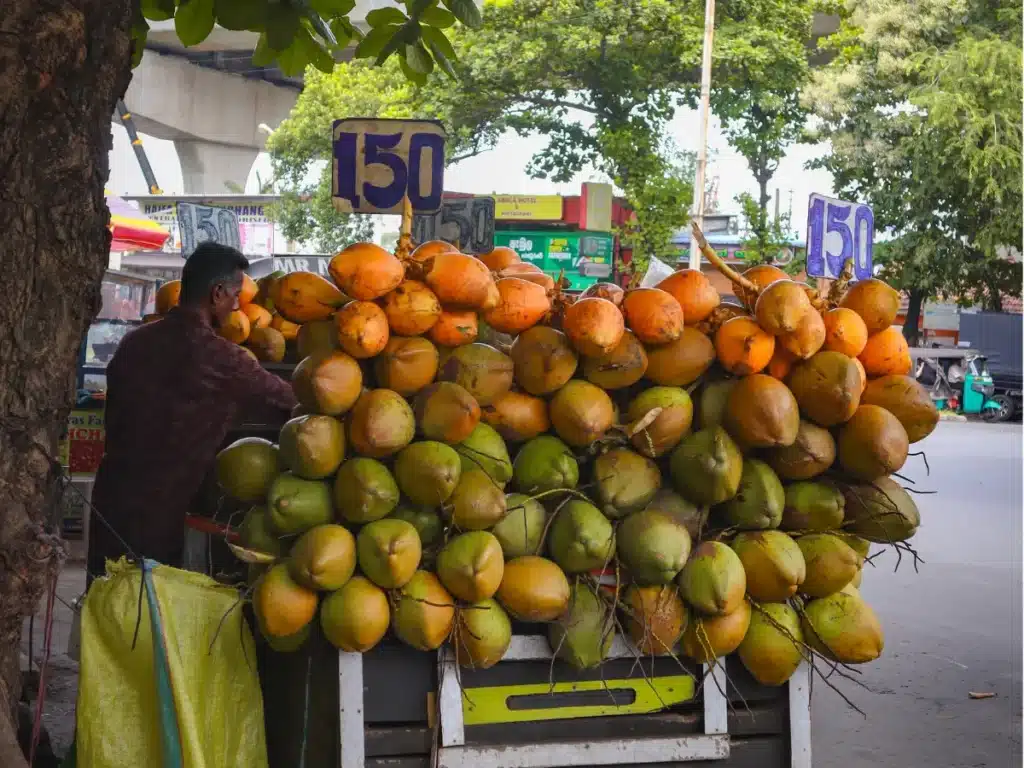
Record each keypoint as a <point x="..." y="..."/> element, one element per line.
<point x="207" y="168"/>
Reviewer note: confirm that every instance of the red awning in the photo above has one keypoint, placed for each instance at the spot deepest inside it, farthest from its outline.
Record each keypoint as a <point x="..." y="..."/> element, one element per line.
<point x="131" y="229"/>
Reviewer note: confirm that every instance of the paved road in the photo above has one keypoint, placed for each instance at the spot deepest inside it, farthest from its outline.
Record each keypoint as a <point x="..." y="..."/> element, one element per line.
<point x="953" y="628"/>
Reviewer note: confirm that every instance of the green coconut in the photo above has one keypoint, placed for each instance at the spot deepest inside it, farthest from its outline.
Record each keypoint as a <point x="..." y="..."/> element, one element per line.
<point x="483" y="633"/>
<point x="758" y="503"/>
<point x="583" y="636"/>
<point x="655" y="618"/>
<point x="312" y="446"/>
<point x="813" y="451"/>
<point x="471" y="566"/>
<point x="247" y="467"/>
<point x="355" y="617"/>
<point x="423" y="612"/>
<point x="288" y="643"/>
<point x="882" y="511"/>
<point x="296" y="505"/>
<point x="445" y="411"/>
<point x="426" y="521"/>
<point x="323" y="557"/>
<point x="772" y="648"/>
<point x="711" y="404"/>
<point x="427" y="472"/>
<point x="813" y="505"/>
<point x="478" y="502"/>
<point x="844" y="628"/>
<point x="255" y="532"/>
<point x="831" y="564"/>
<point x="520" y="532"/>
<point x="659" y="418"/>
<point x="485" y="449"/>
<point x="388" y="552"/>
<point x="545" y="463"/>
<point x="713" y="580"/>
<point x="581" y="538"/>
<point x="861" y="546"/>
<point x="652" y="547"/>
<point x="773" y="562"/>
<point x="693" y="517"/>
<point x="364" y="490"/>
<point x="706" y="466"/>
<point x="624" y="482"/>
<point x="480" y="369"/>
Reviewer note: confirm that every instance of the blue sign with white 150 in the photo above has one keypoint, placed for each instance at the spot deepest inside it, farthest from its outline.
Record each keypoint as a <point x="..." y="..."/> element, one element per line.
<point x="836" y="231"/>
<point x="376" y="163"/>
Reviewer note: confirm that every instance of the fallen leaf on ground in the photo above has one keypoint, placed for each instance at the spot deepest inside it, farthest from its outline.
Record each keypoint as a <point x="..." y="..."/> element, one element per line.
<point x="975" y="695"/>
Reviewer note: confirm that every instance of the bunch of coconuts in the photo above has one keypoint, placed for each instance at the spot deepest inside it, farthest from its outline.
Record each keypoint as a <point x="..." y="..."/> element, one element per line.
<point x="702" y="477"/>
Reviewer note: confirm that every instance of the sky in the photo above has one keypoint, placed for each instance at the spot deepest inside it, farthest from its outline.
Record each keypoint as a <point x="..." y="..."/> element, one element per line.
<point x="502" y="170"/>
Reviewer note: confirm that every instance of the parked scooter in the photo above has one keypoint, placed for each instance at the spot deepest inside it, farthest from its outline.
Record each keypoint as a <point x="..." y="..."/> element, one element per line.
<point x="958" y="379"/>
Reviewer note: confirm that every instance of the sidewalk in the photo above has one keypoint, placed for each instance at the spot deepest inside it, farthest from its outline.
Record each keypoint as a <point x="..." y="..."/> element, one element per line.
<point x="62" y="672"/>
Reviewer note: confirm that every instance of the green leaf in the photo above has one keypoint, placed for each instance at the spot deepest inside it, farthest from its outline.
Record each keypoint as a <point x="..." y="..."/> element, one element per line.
<point x="465" y="11"/>
<point x="293" y="59"/>
<point x="417" y="77"/>
<point x="282" y="26"/>
<point x="436" y="39"/>
<point x="438" y="17"/>
<point x="375" y="40"/>
<point x="241" y="14"/>
<point x="140" y="30"/>
<point x="443" y="60"/>
<point x="343" y="31"/>
<point x="407" y="34"/>
<point x="331" y="8"/>
<point x="383" y="16"/>
<point x="264" y="55"/>
<point x="315" y="53"/>
<point x="158" y="10"/>
<point x="418" y="58"/>
<point x="194" y="21"/>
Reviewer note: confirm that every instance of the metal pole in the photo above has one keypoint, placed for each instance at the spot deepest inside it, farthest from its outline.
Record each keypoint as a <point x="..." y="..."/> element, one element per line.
<point x="705" y="108"/>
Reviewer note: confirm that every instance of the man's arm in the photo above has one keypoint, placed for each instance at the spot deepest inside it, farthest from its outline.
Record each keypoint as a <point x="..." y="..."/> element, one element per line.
<point x="247" y="380"/>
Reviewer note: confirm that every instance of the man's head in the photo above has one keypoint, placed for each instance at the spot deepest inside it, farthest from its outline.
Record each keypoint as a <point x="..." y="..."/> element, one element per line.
<point x="211" y="281"/>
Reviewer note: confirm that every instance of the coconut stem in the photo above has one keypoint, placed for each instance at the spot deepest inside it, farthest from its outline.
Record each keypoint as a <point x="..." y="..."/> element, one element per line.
<point x="838" y="287"/>
<point x="405" y="245"/>
<point x="735" y="277"/>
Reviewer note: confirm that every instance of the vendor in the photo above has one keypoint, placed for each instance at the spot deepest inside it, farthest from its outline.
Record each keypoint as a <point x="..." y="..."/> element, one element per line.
<point x="174" y="388"/>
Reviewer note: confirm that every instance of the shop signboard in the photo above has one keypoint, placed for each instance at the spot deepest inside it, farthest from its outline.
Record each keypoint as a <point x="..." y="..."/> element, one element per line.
<point x="81" y="448"/>
<point x="583" y="257"/>
<point x="528" y="207"/>
<point x="255" y="229"/>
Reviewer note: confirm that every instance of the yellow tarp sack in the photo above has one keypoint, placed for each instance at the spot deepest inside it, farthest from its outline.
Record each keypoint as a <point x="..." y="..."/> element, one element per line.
<point x="186" y="695"/>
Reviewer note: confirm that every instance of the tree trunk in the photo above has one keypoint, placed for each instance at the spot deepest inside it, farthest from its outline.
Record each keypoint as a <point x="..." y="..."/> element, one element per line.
<point x="63" y="64"/>
<point x="762" y="212"/>
<point x="910" y="326"/>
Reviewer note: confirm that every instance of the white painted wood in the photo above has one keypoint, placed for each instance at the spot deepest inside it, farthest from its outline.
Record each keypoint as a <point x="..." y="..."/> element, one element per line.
<point x="716" y="703"/>
<point x="453" y="729"/>
<point x="352" y="753"/>
<point x="536" y="647"/>
<point x="800" y="716"/>
<point x="621" y="752"/>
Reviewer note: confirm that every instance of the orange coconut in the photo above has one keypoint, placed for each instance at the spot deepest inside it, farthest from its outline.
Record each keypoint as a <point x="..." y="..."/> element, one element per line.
<point x="366" y="271"/>
<point x="594" y="326"/>
<point x="886" y="354"/>
<point x="845" y="332"/>
<point x="454" y="327"/>
<point x="523" y="304"/>
<point x="653" y="315"/>
<point x="362" y="329"/>
<point x="460" y="281"/>
<point x="694" y="292"/>
<point x="411" y="309"/>
<point x="500" y="257"/>
<point x="743" y="347"/>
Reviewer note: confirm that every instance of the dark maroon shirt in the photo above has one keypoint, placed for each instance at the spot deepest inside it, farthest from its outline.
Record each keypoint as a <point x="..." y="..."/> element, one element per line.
<point x="174" y="389"/>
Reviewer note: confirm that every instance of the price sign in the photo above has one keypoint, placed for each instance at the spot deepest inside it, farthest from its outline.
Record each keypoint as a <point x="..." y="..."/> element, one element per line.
<point x="206" y="223"/>
<point x="466" y="221"/>
<point x="836" y="231"/>
<point x="377" y="162"/>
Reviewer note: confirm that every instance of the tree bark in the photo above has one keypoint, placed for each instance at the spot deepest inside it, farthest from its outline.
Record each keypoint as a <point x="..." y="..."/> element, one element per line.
<point x="63" y="65"/>
<point x="911" y="332"/>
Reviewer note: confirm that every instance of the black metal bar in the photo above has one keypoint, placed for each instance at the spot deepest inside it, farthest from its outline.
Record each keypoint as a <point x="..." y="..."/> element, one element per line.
<point x="140" y="153"/>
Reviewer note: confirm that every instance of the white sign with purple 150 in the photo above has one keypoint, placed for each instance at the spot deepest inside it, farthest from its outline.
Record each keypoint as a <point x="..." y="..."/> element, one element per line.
<point x="838" y="230"/>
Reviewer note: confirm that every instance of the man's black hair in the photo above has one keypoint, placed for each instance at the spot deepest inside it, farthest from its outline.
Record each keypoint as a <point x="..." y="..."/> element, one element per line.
<point x="209" y="264"/>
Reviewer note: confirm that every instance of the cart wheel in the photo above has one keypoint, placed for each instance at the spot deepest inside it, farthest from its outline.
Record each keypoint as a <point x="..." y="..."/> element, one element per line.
<point x="1003" y="413"/>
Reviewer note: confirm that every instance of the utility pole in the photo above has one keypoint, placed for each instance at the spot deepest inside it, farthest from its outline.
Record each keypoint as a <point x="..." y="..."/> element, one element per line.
<point x="776" y="205"/>
<point x="705" y="108"/>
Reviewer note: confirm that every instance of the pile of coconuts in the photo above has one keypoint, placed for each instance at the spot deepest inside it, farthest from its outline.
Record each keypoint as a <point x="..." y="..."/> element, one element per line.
<point x="702" y="477"/>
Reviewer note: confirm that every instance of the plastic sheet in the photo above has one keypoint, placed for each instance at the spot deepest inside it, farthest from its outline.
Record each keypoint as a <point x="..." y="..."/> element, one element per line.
<point x="187" y="695"/>
<point x="657" y="270"/>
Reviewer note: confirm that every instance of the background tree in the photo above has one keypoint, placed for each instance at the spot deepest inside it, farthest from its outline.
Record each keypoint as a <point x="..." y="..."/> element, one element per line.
<point x="599" y="79"/>
<point x="925" y="125"/>
<point x="63" y="65"/>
